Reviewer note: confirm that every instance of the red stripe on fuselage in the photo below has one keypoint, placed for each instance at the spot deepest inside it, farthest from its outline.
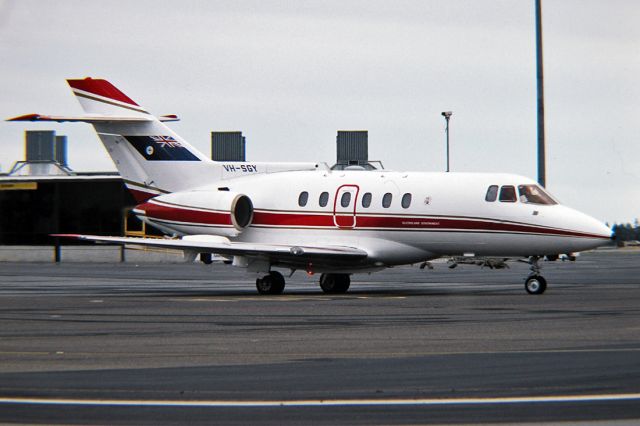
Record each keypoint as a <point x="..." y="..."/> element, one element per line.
<point x="292" y="219"/>
<point x="323" y="221"/>
<point x="281" y="219"/>
<point x="178" y="214"/>
<point x="462" y="225"/>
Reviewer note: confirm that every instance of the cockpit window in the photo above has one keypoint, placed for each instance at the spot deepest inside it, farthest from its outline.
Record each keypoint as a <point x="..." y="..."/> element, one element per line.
<point x="533" y="194"/>
<point x="508" y="194"/>
<point x="492" y="193"/>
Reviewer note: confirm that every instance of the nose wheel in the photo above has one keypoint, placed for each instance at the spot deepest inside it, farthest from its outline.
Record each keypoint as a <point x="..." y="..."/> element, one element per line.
<point x="535" y="284"/>
<point x="270" y="284"/>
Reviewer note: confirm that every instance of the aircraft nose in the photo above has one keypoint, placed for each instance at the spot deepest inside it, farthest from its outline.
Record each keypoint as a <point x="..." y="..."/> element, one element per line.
<point x="596" y="228"/>
<point x="604" y="230"/>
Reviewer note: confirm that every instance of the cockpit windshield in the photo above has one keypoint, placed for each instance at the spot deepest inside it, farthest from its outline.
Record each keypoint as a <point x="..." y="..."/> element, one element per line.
<point x="533" y="194"/>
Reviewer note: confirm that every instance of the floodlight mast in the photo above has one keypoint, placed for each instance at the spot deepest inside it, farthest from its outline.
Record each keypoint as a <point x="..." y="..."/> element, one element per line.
<point x="542" y="178"/>
<point x="447" y="115"/>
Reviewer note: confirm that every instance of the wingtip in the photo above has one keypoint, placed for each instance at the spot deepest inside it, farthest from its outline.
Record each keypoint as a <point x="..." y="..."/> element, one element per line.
<point x="26" y="117"/>
<point x="76" y="236"/>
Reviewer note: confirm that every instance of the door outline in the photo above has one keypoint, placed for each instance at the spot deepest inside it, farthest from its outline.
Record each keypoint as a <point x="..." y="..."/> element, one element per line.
<point x="343" y="218"/>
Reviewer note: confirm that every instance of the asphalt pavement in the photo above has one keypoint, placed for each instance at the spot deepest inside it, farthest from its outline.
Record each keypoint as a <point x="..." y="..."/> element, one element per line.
<point x="195" y="344"/>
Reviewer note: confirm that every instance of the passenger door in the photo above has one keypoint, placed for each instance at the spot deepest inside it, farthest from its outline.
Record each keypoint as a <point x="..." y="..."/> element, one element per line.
<point x="344" y="206"/>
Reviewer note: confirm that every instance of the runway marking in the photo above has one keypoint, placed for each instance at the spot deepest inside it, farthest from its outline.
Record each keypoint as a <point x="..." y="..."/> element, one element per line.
<point x="324" y="402"/>
<point x="252" y="299"/>
<point x="285" y="298"/>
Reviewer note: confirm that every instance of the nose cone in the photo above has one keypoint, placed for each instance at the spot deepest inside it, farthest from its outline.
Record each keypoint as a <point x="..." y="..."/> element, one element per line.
<point x="597" y="228"/>
<point x="591" y="232"/>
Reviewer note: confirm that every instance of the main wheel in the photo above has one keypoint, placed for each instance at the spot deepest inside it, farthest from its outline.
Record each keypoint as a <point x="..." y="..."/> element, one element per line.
<point x="335" y="283"/>
<point x="271" y="284"/>
<point x="535" y="284"/>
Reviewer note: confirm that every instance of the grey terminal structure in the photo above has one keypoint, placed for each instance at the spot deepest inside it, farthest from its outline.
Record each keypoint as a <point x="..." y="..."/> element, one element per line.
<point x="228" y="146"/>
<point x="352" y="148"/>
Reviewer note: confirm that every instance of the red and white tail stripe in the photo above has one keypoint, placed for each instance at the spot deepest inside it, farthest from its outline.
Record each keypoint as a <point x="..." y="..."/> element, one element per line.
<point x="99" y="96"/>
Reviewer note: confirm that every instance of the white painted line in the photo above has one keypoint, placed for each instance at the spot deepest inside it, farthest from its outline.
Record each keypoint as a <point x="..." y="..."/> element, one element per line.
<point x="323" y="402"/>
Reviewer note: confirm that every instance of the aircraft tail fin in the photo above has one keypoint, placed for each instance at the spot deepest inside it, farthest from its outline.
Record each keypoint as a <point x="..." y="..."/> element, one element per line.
<point x="151" y="158"/>
<point x="98" y="96"/>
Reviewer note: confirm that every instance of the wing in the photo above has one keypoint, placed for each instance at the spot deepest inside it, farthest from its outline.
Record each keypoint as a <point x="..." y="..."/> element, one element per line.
<point x="279" y="253"/>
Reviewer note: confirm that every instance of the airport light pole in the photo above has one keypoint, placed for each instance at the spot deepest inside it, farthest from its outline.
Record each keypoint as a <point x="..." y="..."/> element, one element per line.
<point x="542" y="169"/>
<point x="447" y="115"/>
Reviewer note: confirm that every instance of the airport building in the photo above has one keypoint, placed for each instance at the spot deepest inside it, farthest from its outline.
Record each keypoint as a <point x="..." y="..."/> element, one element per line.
<point x="41" y="196"/>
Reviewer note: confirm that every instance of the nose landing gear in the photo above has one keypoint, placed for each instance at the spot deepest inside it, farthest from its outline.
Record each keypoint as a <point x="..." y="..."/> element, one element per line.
<point x="535" y="283"/>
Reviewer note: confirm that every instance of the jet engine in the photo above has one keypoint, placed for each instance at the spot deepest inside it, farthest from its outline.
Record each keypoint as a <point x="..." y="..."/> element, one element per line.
<point x="223" y="213"/>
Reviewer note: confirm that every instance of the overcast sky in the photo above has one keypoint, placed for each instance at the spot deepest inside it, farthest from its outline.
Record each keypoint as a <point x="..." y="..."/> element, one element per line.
<point x="289" y="74"/>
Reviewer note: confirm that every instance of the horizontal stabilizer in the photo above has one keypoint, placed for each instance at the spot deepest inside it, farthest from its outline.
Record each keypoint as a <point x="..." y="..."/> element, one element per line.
<point x="169" y="117"/>
<point x="91" y="118"/>
<point x="233" y="248"/>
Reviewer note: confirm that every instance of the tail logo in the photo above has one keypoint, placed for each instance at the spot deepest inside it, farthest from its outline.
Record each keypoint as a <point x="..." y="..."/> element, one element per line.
<point x="160" y="148"/>
<point x="166" y="141"/>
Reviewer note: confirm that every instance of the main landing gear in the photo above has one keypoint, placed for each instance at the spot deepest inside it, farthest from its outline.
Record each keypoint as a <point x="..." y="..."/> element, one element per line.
<point x="273" y="283"/>
<point x="335" y="283"/>
<point x="535" y="283"/>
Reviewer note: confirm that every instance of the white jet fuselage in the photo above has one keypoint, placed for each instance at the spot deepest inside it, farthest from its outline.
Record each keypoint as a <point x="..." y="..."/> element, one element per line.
<point x="444" y="214"/>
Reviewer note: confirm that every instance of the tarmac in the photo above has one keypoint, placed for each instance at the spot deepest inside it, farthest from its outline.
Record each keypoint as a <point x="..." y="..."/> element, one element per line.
<point x="166" y="343"/>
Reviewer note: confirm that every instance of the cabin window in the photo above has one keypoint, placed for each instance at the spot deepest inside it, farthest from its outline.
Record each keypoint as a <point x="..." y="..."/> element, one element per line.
<point x="406" y="200"/>
<point x="324" y="199"/>
<point x="508" y="194"/>
<point x="366" y="200"/>
<point x="492" y="193"/>
<point x="345" y="200"/>
<point x="386" y="200"/>
<point x="303" y="198"/>
<point x="533" y="194"/>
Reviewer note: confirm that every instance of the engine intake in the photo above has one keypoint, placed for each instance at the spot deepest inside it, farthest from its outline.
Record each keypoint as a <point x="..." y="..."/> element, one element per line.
<point x="241" y="212"/>
<point x="221" y="213"/>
